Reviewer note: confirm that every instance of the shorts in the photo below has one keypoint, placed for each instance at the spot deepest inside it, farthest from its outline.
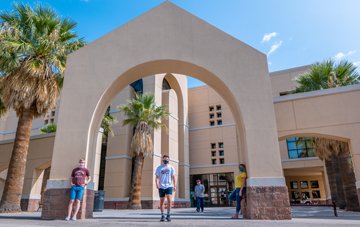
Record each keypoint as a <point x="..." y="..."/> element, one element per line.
<point x="163" y="192"/>
<point x="76" y="193"/>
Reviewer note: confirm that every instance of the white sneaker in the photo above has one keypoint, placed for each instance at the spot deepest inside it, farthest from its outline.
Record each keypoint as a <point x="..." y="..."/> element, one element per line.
<point x="67" y="218"/>
<point x="73" y="218"/>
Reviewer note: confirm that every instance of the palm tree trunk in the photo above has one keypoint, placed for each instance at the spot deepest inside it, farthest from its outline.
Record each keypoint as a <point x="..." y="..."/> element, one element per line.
<point x="11" y="198"/>
<point x="348" y="180"/>
<point x="135" y="193"/>
<point x="335" y="181"/>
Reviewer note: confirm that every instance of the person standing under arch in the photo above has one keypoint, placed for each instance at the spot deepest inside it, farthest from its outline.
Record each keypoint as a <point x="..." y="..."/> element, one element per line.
<point x="166" y="183"/>
<point x="80" y="177"/>
<point x="240" y="189"/>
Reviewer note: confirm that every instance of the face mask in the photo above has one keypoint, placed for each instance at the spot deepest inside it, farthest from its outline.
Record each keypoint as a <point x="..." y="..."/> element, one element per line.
<point x="165" y="161"/>
<point x="242" y="169"/>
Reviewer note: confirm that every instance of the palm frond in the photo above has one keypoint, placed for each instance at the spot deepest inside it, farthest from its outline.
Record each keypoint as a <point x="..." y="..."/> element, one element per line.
<point x="34" y="43"/>
<point x="327" y="75"/>
<point x="143" y="114"/>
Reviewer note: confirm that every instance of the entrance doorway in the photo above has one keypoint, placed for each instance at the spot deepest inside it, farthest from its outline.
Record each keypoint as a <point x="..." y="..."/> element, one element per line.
<point x="217" y="188"/>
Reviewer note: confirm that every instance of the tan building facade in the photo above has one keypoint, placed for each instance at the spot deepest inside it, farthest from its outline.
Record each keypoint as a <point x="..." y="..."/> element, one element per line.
<point x="239" y="117"/>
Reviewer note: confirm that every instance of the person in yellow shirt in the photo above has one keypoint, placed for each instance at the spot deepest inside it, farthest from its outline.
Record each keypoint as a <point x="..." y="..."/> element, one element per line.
<point x="240" y="188"/>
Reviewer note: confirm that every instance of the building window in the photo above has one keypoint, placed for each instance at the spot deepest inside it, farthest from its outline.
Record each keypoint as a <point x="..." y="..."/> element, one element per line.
<point x="46" y="122"/>
<point x="300" y="147"/>
<point x="213" y="161"/>
<point x="213" y="153"/>
<point x="221" y="153"/>
<point x="221" y="145"/>
<point x="212" y="123"/>
<point x="52" y="120"/>
<point x="222" y="161"/>
<point x="219" y="115"/>
<point x="53" y="113"/>
<point x="211" y="108"/>
<point x="213" y="145"/>
<point x="211" y="116"/>
<point x="219" y="122"/>
<point x="218" y="107"/>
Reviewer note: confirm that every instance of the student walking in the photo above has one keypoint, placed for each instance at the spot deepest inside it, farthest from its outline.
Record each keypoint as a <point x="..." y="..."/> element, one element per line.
<point x="199" y="195"/>
<point x="166" y="184"/>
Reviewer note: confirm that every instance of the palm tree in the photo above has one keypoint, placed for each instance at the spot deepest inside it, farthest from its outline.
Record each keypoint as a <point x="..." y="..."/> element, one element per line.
<point x="340" y="170"/>
<point x="336" y="154"/>
<point x="327" y="75"/>
<point x="106" y="123"/>
<point x="34" y="44"/>
<point x="2" y="108"/>
<point x="144" y="115"/>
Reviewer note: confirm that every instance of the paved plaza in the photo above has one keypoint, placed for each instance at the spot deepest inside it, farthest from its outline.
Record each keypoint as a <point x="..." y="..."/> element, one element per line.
<point x="302" y="216"/>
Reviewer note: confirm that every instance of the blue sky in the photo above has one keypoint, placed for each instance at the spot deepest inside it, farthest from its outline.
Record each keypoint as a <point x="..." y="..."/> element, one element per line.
<point x="291" y="32"/>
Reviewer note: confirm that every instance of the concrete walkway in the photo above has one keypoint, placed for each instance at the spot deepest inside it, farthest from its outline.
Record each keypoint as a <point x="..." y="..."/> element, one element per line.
<point x="302" y="216"/>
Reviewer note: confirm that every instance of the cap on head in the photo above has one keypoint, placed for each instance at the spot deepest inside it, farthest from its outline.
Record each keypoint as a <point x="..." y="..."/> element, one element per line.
<point x="82" y="160"/>
<point x="198" y="180"/>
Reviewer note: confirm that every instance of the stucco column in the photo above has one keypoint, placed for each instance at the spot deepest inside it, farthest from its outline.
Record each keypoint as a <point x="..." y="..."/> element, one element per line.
<point x="31" y="196"/>
<point x="267" y="193"/>
<point x="94" y="161"/>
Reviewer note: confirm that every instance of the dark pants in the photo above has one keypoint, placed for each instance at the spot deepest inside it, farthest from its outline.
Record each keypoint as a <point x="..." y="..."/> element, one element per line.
<point x="239" y="198"/>
<point x="199" y="203"/>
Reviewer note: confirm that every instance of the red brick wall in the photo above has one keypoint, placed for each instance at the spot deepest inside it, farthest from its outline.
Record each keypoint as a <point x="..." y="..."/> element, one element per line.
<point x="269" y="202"/>
<point x="56" y="203"/>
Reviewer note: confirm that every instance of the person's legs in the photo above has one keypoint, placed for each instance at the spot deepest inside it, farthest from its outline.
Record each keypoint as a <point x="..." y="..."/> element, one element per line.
<point x="168" y="198"/>
<point x="168" y="194"/>
<point x="71" y="202"/>
<point x="197" y="203"/>
<point x="238" y="199"/>
<point x="77" y="208"/>
<point x="202" y="203"/>
<point x="79" y="195"/>
<point x="237" y="203"/>
<point x="162" y="199"/>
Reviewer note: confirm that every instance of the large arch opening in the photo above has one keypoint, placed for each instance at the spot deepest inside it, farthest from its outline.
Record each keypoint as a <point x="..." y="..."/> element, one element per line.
<point x="158" y="67"/>
<point x="171" y="81"/>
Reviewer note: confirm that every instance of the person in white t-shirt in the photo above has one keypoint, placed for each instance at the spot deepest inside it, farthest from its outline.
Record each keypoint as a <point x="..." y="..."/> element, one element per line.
<point x="166" y="183"/>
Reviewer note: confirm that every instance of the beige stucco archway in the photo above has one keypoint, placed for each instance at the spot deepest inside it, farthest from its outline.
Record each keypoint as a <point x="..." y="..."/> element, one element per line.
<point x="167" y="39"/>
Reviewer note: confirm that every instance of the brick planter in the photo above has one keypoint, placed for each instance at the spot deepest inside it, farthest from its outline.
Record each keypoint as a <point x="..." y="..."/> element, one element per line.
<point x="56" y="201"/>
<point x="268" y="202"/>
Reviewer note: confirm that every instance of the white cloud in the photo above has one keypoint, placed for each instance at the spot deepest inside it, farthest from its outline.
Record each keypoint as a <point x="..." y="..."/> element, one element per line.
<point x="274" y="47"/>
<point x="356" y="63"/>
<point x="268" y="36"/>
<point x="342" y="55"/>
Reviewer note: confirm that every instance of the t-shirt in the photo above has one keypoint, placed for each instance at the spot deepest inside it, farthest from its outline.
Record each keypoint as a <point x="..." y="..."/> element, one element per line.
<point x="79" y="175"/>
<point x="165" y="173"/>
<point x="238" y="180"/>
<point x="199" y="190"/>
